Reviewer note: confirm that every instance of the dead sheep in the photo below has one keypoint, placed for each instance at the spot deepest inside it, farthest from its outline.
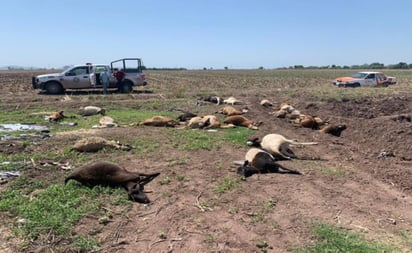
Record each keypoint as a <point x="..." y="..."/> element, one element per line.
<point x="232" y="101"/>
<point x="258" y="161"/>
<point x="105" y="122"/>
<point x="195" y="122"/>
<point x="210" y="121"/>
<point x="286" y="107"/>
<point x="304" y="121"/>
<point x="239" y="120"/>
<point x="185" y="116"/>
<point x="277" y="145"/>
<point x="287" y="111"/>
<point x="212" y="99"/>
<point x="293" y="115"/>
<point x="266" y="103"/>
<point x="207" y="122"/>
<point x="95" y="143"/>
<point x="335" y="130"/>
<point x="159" y="121"/>
<point x="91" y="110"/>
<point x="230" y="110"/>
<point x="308" y="121"/>
<point x="56" y="116"/>
<point x="109" y="174"/>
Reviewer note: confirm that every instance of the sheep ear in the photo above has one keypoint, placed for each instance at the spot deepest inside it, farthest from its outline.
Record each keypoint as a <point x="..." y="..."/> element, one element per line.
<point x="147" y="178"/>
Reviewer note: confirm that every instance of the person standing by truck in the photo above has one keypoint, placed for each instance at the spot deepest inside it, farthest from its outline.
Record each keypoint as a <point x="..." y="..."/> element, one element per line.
<point x="119" y="74"/>
<point x="105" y="78"/>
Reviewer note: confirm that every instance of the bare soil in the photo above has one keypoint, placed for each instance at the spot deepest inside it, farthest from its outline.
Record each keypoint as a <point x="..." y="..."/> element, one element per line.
<point x="361" y="180"/>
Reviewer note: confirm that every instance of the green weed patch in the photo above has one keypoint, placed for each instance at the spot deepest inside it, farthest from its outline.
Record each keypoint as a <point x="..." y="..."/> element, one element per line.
<point x="335" y="239"/>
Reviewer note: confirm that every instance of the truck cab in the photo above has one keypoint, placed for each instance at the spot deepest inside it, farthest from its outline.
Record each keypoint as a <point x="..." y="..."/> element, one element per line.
<point x="85" y="76"/>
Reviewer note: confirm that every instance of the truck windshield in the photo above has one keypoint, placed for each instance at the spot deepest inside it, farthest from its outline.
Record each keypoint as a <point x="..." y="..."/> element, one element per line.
<point x="79" y="70"/>
<point x="359" y="75"/>
<point x="98" y="69"/>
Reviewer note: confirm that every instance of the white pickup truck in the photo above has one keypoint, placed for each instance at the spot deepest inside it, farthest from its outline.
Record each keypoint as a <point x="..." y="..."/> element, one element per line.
<point x="365" y="79"/>
<point x="86" y="76"/>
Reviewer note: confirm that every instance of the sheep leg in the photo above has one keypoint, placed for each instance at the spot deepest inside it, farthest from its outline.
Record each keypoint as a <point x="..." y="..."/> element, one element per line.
<point x="147" y="178"/>
<point x="301" y="143"/>
<point x="289" y="170"/>
<point x="284" y="150"/>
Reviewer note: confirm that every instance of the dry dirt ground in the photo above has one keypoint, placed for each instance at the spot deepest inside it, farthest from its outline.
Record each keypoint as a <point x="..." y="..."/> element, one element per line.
<point x="361" y="180"/>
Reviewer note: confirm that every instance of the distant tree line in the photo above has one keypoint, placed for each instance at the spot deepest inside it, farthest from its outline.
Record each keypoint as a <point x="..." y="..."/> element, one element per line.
<point x="23" y="68"/>
<point x="375" y="65"/>
<point x="154" y="68"/>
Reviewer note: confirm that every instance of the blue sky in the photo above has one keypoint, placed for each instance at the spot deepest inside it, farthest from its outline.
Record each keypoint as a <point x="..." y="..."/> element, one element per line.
<point x="210" y="33"/>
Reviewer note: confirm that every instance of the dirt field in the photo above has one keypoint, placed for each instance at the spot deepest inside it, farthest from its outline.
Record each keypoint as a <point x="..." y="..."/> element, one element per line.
<point x="361" y="180"/>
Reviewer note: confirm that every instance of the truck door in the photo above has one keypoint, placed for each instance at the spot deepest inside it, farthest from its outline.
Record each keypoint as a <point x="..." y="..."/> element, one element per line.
<point x="95" y="75"/>
<point x="77" y="77"/>
<point x="370" y="80"/>
<point x="380" y="79"/>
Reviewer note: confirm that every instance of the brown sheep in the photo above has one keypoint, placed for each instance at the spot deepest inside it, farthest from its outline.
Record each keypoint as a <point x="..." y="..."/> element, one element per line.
<point x="287" y="111"/>
<point x="109" y="174"/>
<point x="229" y="111"/>
<point x="239" y="120"/>
<point x="56" y="116"/>
<point x="305" y="121"/>
<point x="159" y="121"/>
<point x="335" y="130"/>
<point x="308" y="121"/>
<point x="319" y="121"/>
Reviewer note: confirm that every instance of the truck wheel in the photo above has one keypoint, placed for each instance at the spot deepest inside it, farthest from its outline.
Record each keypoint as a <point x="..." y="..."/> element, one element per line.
<point x="126" y="87"/>
<point x="54" y="88"/>
<point x="356" y="85"/>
